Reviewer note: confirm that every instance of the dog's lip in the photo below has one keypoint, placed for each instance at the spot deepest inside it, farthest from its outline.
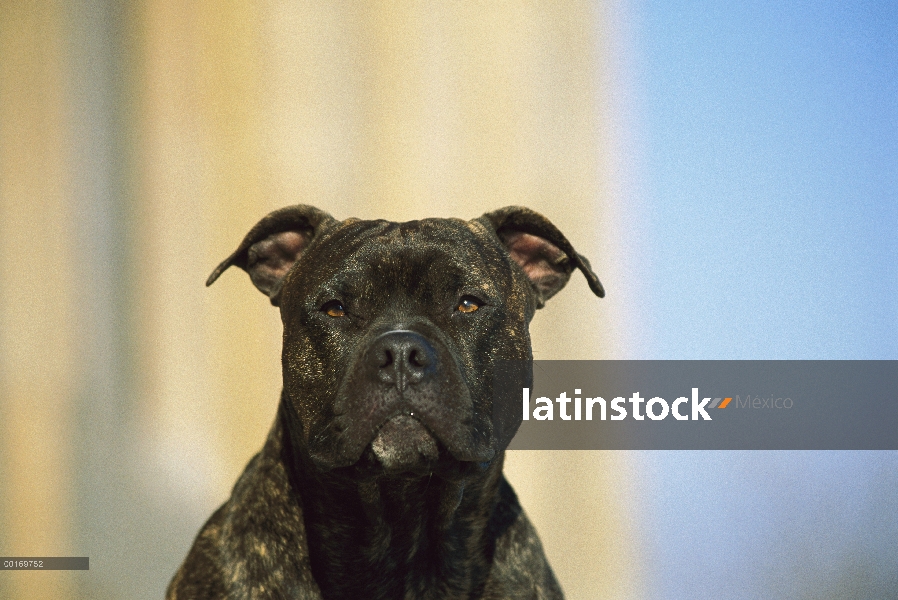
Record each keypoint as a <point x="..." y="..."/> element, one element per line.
<point x="484" y="455"/>
<point x="446" y="464"/>
<point x="461" y="450"/>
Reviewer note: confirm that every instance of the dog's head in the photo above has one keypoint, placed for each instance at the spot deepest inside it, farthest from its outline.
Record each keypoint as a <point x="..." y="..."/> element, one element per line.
<point x="392" y="331"/>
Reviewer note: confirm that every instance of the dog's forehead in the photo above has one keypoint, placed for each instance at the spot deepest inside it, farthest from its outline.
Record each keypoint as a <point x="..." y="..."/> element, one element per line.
<point x="362" y="244"/>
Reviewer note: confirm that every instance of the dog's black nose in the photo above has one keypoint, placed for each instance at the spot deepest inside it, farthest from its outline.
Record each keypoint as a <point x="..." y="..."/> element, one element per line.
<point x="402" y="358"/>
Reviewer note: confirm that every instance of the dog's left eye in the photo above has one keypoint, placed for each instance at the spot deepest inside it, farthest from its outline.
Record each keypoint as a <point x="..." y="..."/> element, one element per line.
<point x="468" y="304"/>
<point x="334" y="309"/>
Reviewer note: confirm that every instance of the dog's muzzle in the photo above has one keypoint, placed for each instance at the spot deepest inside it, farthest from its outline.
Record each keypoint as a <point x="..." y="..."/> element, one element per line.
<point x="403" y="397"/>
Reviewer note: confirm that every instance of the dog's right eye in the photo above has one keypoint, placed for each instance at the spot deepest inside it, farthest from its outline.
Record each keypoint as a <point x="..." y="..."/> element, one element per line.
<point x="468" y="304"/>
<point x="334" y="309"/>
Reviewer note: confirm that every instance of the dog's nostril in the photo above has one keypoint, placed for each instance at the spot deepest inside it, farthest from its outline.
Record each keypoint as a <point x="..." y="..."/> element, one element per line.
<point x="416" y="359"/>
<point x="420" y="357"/>
<point x="386" y="358"/>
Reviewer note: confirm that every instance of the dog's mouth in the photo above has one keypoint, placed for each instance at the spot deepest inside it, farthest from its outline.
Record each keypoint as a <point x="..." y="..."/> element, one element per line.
<point x="405" y="447"/>
<point x="405" y="444"/>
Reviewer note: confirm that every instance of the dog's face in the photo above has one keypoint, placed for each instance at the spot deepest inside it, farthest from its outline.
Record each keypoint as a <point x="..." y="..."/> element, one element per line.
<point x="392" y="331"/>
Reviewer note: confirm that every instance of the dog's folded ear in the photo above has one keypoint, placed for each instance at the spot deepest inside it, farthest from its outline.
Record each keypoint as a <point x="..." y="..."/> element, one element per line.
<point x="540" y="249"/>
<point x="273" y="245"/>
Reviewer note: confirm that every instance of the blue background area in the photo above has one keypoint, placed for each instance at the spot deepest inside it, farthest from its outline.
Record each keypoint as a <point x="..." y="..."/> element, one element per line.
<point x="769" y="180"/>
<point x="770" y="177"/>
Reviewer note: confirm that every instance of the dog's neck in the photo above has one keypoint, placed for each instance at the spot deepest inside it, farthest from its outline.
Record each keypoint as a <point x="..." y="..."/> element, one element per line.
<point x="396" y="537"/>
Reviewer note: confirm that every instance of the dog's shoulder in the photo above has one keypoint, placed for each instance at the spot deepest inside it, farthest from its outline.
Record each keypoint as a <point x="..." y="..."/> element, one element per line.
<point x="254" y="545"/>
<point x="520" y="568"/>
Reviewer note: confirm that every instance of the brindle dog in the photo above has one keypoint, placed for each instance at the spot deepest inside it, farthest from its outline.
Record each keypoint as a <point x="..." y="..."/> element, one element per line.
<point x="382" y="475"/>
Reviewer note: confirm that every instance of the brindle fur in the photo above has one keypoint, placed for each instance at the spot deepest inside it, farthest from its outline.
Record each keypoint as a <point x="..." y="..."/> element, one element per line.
<point x="318" y="513"/>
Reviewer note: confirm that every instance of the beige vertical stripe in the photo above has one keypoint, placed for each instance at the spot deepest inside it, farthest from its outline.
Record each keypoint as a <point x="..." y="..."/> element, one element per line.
<point x="171" y="235"/>
<point x="310" y="102"/>
<point x="37" y="360"/>
<point x="213" y="373"/>
<point x="244" y="328"/>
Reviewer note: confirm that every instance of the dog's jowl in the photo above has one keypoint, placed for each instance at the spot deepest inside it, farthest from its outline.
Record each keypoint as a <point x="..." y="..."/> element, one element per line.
<point x="382" y="475"/>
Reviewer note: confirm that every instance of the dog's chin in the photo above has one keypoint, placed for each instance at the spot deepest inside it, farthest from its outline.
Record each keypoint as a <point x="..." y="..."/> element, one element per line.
<point x="404" y="445"/>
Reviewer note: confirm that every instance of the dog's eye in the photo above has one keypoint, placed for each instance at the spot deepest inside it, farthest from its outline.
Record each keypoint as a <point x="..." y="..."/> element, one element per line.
<point x="334" y="309"/>
<point x="468" y="304"/>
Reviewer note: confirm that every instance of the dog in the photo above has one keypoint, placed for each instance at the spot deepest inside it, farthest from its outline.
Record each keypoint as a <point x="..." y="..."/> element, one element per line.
<point x="381" y="477"/>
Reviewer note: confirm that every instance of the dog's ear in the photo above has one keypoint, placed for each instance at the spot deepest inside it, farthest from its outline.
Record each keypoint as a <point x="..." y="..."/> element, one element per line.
<point x="271" y="247"/>
<point x="542" y="252"/>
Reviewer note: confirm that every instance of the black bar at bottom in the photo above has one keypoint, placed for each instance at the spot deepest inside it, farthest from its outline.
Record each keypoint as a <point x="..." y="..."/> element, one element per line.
<point x="44" y="563"/>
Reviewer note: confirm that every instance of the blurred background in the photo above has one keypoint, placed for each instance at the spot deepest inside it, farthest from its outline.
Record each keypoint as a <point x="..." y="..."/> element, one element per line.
<point x="730" y="169"/>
